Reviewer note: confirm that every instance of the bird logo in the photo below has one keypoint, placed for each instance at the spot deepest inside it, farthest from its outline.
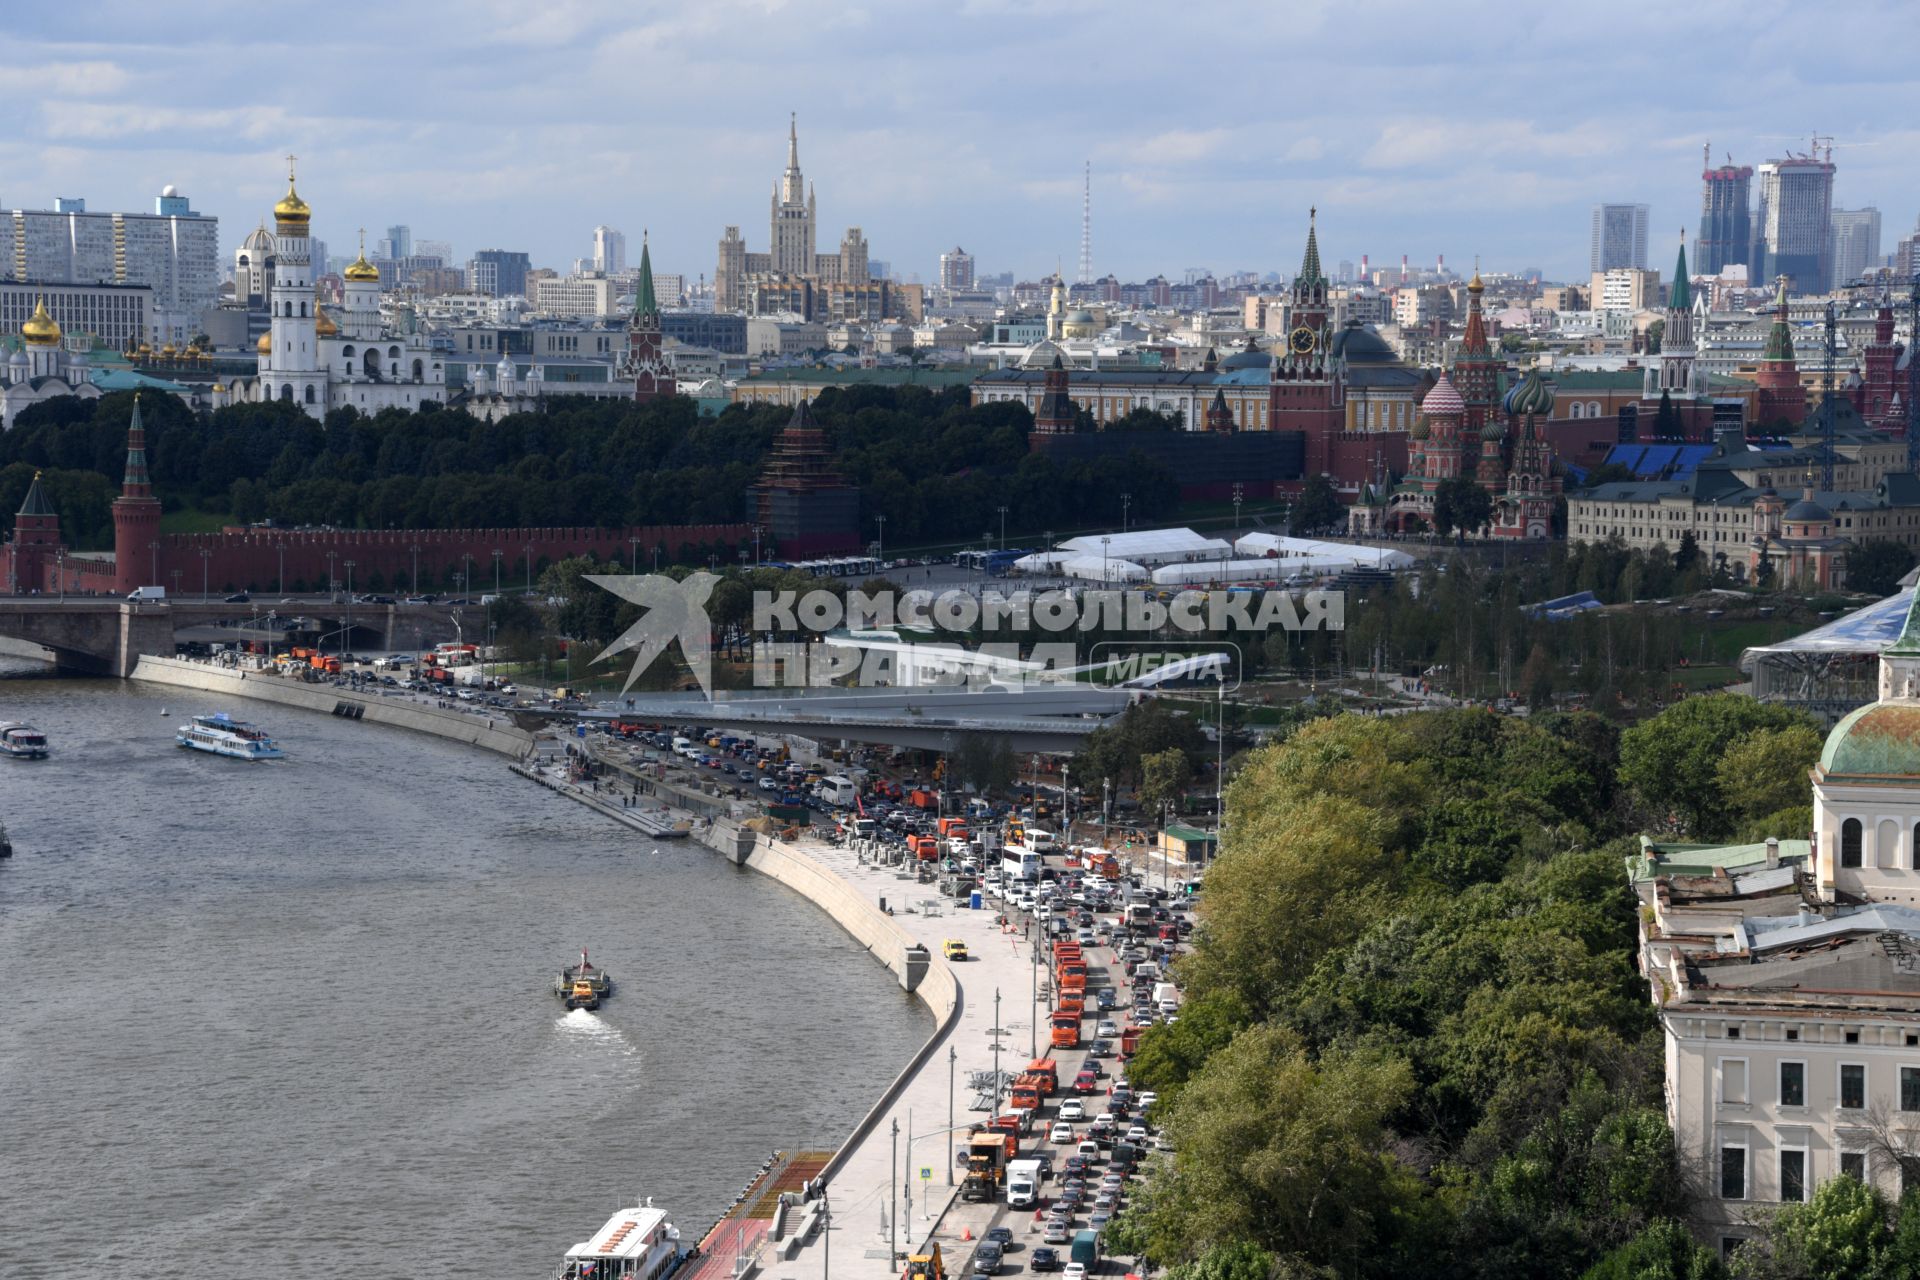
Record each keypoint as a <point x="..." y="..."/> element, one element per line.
<point x="674" y="611"/>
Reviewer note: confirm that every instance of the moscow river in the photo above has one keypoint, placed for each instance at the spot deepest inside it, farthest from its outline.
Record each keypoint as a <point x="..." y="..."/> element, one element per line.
<point x="295" y="1018"/>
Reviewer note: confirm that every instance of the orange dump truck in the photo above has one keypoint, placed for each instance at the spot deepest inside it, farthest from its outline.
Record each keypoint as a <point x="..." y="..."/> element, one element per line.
<point x="1065" y="1031"/>
<point x="925" y="848"/>
<point x="1049" y="1073"/>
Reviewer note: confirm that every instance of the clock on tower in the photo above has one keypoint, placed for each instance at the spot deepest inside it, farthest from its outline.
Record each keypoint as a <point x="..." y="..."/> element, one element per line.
<point x="1301" y="341"/>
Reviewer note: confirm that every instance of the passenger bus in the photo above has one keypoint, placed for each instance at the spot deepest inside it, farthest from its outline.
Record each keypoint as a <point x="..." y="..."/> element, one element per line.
<point x="1017" y="862"/>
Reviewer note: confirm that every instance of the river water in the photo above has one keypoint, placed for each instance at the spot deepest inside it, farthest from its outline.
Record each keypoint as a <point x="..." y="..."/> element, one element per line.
<point x="294" y="1018"/>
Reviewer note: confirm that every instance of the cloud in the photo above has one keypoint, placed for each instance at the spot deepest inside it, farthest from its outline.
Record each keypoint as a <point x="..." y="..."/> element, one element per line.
<point x="75" y="79"/>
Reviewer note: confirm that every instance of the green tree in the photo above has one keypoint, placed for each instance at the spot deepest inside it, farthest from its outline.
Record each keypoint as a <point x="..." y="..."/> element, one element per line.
<point x="1171" y="1053"/>
<point x="1230" y="1260"/>
<point x="1163" y="780"/>
<point x="1671" y="763"/>
<point x="1840" y="1234"/>
<point x="1317" y="507"/>
<point x="1876" y="565"/>
<point x="1666" y="419"/>
<point x="1461" y="503"/>
<point x="1663" y="1251"/>
<point x="1284" y="1152"/>
<point x="1765" y="771"/>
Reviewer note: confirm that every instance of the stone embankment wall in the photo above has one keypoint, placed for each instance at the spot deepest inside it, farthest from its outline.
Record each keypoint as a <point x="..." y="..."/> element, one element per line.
<point x="405" y="713"/>
<point x="920" y="971"/>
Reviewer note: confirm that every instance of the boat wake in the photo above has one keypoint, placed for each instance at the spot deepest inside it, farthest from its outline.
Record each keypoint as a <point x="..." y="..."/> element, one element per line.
<point x="586" y="1027"/>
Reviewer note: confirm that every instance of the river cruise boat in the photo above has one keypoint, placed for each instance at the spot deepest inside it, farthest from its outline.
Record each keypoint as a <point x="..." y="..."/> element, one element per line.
<point x="22" y="741"/>
<point x="635" y="1244"/>
<point x="582" y="986"/>
<point x="221" y="734"/>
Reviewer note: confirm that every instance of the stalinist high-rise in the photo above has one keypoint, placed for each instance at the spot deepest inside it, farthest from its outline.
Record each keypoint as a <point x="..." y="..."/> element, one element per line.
<point x="792" y="230"/>
<point x="792" y="237"/>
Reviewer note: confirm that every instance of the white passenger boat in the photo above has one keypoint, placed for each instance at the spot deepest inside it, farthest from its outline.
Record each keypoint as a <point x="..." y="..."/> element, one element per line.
<point x="635" y="1244"/>
<point x="22" y="741"/>
<point x="224" y="736"/>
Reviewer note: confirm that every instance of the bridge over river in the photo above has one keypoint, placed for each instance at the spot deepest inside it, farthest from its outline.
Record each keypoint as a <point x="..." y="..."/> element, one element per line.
<point x="106" y="636"/>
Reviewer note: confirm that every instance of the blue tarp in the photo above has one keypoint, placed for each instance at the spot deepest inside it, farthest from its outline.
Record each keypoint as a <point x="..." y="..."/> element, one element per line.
<point x="1564" y="606"/>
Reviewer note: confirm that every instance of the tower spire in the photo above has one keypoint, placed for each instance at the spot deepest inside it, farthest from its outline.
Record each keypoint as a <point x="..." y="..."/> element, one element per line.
<point x="136" y="484"/>
<point x="645" y="308"/>
<point x="1680" y="297"/>
<point x="1310" y="264"/>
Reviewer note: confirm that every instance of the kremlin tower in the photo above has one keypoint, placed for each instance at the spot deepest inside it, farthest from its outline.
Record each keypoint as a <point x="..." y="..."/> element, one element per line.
<point x="1056" y="414"/>
<point x="36" y="542"/>
<point x="1782" y="404"/>
<point x="136" y="514"/>
<point x="1308" y="391"/>
<point x="1880" y="401"/>
<point x="646" y="361"/>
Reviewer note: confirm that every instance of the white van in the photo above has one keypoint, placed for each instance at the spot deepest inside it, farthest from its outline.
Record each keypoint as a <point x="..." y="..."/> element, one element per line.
<point x="147" y="593"/>
<point x="1023" y="1183"/>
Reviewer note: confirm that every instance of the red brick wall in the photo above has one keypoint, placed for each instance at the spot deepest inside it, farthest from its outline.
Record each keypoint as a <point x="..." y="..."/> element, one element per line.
<point x="251" y="559"/>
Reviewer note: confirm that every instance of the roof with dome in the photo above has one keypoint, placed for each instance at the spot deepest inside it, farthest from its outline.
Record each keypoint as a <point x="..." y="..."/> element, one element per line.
<point x="1806" y="509"/>
<point x="291" y="208"/>
<point x="1529" y="395"/>
<point x="1879" y="740"/>
<point x="1358" y="344"/>
<point x="41" y="329"/>
<point x="1443" y="399"/>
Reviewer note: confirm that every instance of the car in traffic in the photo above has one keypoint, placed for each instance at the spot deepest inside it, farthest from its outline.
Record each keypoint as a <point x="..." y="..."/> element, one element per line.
<point x="954" y="949"/>
<point x="1073" y="1109"/>
<point x="1056" y="1231"/>
<point x="988" y="1258"/>
<point x="1045" y="1259"/>
<point x="1061" y="1133"/>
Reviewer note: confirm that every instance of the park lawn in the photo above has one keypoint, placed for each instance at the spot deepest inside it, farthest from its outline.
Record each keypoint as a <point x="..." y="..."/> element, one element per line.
<point x="193" y="520"/>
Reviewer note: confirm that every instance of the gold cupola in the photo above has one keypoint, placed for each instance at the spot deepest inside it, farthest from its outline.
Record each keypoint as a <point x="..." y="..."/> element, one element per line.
<point x="41" y="329"/>
<point x="291" y="215"/>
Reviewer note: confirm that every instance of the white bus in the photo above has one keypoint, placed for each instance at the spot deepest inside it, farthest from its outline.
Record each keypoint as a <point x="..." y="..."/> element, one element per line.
<point x="1017" y="862"/>
<point x="838" y="791"/>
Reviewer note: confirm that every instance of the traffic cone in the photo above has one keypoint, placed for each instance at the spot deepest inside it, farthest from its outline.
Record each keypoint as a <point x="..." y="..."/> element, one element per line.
<point x="966" y="1233"/>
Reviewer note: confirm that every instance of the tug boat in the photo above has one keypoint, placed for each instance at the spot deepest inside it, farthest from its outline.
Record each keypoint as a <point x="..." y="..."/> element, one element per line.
<point x="582" y="986"/>
<point x="22" y="741"/>
<point x="222" y="735"/>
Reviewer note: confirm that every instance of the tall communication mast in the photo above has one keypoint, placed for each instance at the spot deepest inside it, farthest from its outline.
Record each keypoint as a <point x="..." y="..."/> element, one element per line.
<point x="1086" y="228"/>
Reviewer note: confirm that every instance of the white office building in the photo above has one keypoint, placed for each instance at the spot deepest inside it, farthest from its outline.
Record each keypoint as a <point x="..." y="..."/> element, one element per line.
<point x="173" y="251"/>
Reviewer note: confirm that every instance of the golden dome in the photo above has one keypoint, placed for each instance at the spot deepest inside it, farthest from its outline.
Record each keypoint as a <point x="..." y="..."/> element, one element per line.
<point x="144" y="350"/>
<point x="1474" y="285"/>
<point x="292" y="209"/>
<point x="362" y="270"/>
<point x="41" y="330"/>
<point x="324" y="325"/>
<point x="265" y="345"/>
<point x="167" y="352"/>
<point x="219" y="388"/>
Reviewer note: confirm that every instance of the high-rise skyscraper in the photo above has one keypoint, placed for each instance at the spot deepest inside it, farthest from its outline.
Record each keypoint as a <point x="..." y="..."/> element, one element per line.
<point x="1619" y="236"/>
<point x="1726" y="217"/>
<point x="609" y="251"/>
<point x="1856" y="243"/>
<point x="1793" y="232"/>
<point x="956" y="269"/>
<point x="399" y="242"/>
<point x="500" y="272"/>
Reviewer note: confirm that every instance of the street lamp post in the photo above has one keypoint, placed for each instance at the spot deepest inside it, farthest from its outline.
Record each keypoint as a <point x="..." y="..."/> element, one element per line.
<point x="1003" y="528"/>
<point x="1220" y="764"/>
<point x="206" y="556"/>
<point x="953" y="1057"/>
<point x="633" y="555"/>
<point x="60" y="571"/>
<point x="332" y="585"/>
<point x="880" y="543"/>
<point x="466" y="571"/>
<point x="1106" y="812"/>
<point x="996" y="1051"/>
<point x="280" y="574"/>
<point x="176" y="580"/>
<point x="529" y="568"/>
<point x="153" y="552"/>
<point x="349" y="565"/>
<point x="1126" y="512"/>
<point x="893" y="1218"/>
<point x="416" y="569"/>
<point x="1239" y="492"/>
<point x="497" y="553"/>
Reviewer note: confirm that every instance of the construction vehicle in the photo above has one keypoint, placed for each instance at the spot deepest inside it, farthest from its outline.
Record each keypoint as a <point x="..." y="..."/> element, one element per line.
<point x="925" y="1266"/>
<point x="1048" y="1071"/>
<point x="987" y="1158"/>
<point x="1027" y="1093"/>
<point x="1065" y="1032"/>
<point x="953" y="828"/>
<point x="925" y="848"/>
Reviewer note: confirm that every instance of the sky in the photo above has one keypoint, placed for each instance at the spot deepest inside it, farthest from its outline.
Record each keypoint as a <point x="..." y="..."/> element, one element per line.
<point x="1462" y="129"/>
